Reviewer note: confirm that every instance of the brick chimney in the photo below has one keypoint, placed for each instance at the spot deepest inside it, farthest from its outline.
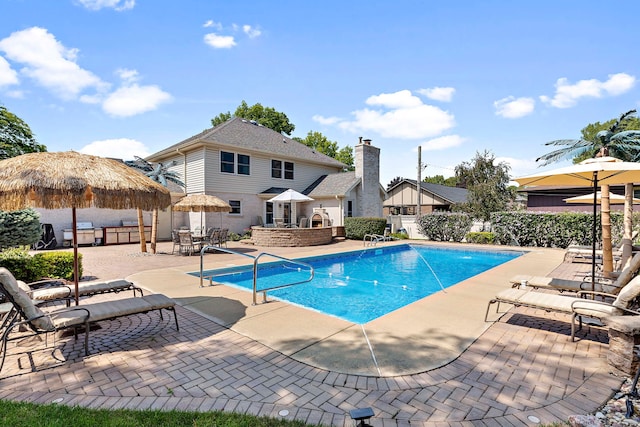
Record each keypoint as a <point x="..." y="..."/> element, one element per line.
<point x="367" y="168"/>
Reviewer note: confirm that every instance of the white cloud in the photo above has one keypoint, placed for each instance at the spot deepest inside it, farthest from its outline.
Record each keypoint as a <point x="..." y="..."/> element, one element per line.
<point x="49" y="63"/>
<point x="127" y="76"/>
<point x="251" y="32"/>
<point x="8" y="76"/>
<point x="118" y="148"/>
<point x="132" y="99"/>
<point x="325" y="120"/>
<point x="18" y="94"/>
<point x="118" y="5"/>
<point x="444" y="94"/>
<point x="212" y="24"/>
<point x="567" y="94"/>
<point x="219" y="42"/>
<point x="401" y="115"/>
<point x="513" y="108"/>
<point x="443" y="143"/>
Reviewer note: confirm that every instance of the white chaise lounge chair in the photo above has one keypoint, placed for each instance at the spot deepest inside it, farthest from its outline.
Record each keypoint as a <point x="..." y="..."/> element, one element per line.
<point x="576" y="306"/>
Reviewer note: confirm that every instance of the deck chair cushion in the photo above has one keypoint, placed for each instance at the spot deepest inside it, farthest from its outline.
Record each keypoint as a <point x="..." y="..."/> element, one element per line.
<point x="21" y="298"/>
<point x="628" y="293"/>
<point x="23" y="285"/>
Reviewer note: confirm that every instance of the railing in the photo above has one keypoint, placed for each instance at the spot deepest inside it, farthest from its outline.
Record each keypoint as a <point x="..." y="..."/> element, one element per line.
<point x="255" y="270"/>
<point x="373" y="239"/>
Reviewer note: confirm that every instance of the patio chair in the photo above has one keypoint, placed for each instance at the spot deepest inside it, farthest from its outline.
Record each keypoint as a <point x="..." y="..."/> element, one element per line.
<point x="278" y="222"/>
<point x="25" y="313"/>
<point x="578" y="306"/>
<point x="214" y="238"/>
<point x="224" y="237"/>
<point x="600" y="285"/>
<point x="66" y="290"/>
<point x="187" y="245"/>
<point x="175" y="238"/>
<point x="584" y="253"/>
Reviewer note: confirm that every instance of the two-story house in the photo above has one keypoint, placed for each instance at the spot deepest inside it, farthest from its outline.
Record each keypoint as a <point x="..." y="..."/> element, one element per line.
<point x="247" y="164"/>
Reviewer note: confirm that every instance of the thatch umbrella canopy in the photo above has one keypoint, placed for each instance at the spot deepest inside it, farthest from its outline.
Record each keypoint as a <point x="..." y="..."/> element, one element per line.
<point x="202" y="203"/>
<point x="73" y="180"/>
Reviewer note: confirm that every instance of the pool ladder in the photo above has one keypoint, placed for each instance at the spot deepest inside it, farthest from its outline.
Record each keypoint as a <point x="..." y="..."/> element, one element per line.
<point x="255" y="270"/>
<point x="373" y="239"/>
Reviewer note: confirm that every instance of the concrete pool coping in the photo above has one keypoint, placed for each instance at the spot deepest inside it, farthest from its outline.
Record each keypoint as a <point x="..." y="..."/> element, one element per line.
<point x="391" y="345"/>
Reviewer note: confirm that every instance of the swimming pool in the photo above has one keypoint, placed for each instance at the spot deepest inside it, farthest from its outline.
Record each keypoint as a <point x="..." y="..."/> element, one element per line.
<point x="363" y="285"/>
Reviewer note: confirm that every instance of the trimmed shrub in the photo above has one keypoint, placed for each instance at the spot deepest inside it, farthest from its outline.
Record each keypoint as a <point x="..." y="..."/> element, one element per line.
<point x="19" y="228"/>
<point x="445" y="226"/>
<point x="59" y="264"/>
<point x="357" y="227"/>
<point x="558" y="230"/>
<point x="46" y="264"/>
<point x="481" y="237"/>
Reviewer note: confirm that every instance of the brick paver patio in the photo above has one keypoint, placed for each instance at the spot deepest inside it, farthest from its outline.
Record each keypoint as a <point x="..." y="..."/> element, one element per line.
<point x="523" y="366"/>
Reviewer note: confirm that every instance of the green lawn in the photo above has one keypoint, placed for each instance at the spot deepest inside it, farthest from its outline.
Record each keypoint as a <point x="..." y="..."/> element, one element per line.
<point x="32" y="415"/>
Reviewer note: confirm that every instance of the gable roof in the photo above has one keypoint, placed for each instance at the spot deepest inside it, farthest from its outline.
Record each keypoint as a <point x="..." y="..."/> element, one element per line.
<point x="450" y="194"/>
<point x="335" y="184"/>
<point x="241" y="134"/>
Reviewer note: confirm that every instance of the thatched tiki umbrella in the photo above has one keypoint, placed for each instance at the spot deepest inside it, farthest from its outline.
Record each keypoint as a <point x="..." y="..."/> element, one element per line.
<point x="202" y="203"/>
<point x="76" y="181"/>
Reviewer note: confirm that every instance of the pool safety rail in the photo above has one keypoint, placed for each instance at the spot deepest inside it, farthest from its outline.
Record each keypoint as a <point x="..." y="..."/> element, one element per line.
<point x="256" y="259"/>
<point x="372" y="239"/>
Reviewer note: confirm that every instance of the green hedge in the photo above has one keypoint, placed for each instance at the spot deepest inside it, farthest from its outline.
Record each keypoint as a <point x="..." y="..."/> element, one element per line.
<point x="356" y="227"/>
<point x="19" y="228"/>
<point x="445" y="226"/>
<point x="29" y="268"/>
<point x="481" y="237"/>
<point x="559" y="230"/>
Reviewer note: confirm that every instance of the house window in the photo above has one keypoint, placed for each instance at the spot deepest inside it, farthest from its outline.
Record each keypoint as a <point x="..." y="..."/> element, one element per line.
<point x="243" y="164"/>
<point x="235" y="207"/>
<point x="227" y="162"/>
<point x="276" y="169"/>
<point x="349" y="208"/>
<point x="288" y="170"/>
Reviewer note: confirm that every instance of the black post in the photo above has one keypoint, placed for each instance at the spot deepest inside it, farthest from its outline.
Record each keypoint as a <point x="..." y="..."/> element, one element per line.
<point x="593" y="231"/>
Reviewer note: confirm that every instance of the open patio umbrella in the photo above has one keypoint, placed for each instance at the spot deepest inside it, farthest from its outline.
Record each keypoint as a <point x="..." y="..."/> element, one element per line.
<point x="588" y="198"/>
<point x="291" y="196"/>
<point x="202" y="203"/>
<point x="77" y="181"/>
<point x="591" y="173"/>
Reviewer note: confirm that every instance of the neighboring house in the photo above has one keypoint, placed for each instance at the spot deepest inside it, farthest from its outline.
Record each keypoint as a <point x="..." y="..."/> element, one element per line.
<point x="247" y="164"/>
<point x="401" y="198"/>
<point x="551" y="199"/>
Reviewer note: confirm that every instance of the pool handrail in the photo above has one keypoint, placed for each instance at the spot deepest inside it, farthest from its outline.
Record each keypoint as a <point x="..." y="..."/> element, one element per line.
<point x="373" y="239"/>
<point x="255" y="269"/>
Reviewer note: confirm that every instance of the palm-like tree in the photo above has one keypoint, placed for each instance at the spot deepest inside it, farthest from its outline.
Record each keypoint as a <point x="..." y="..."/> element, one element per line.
<point x="159" y="172"/>
<point x="616" y="140"/>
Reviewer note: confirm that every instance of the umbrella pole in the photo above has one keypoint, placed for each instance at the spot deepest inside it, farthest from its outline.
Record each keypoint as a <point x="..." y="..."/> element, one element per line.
<point x="74" y="226"/>
<point x="593" y="232"/>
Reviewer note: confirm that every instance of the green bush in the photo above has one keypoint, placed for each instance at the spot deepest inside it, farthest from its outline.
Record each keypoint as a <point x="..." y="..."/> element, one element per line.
<point x="59" y="264"/>
<point x="445" y="226"/>
<point x="19" y="228"/>
<point x="558" y="229"/>
<point x="400" y="236"/>
<point x="356" y="228"/>
<point x="46" y="264"/>
<point x="481" y="237"/>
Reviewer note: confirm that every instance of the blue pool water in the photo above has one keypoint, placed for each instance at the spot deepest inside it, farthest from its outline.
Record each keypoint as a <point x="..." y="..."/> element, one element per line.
<point x="363" y="285"/>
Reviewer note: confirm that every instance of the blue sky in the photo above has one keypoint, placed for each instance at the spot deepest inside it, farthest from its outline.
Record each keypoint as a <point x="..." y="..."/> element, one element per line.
<point x="120" y="78"/>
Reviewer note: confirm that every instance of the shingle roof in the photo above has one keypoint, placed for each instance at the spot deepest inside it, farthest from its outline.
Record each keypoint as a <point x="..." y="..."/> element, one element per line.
<point x="450" y="194"/>
<point x="332" y="185"/>
<point x="243" y="134"/>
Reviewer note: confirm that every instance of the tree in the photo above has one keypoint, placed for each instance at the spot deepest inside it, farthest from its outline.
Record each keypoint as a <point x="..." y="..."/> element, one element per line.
<point x="487" y="184"/>
<point x="440" y="179"/>
<point x="16" y="137"/>
<point x="266" y="116"/>
<point x="395" y="181"/>
<point x="619" y="138"/>
<point x="159" y="172"/>
<point x="322" y="144"/>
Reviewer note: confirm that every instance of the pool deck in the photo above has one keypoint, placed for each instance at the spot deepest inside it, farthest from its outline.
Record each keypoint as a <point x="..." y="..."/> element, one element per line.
<point x="435" y="362"/>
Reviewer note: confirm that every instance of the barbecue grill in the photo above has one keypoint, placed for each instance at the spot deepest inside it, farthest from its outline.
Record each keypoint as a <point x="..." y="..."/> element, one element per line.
<point x="86" y="232"/>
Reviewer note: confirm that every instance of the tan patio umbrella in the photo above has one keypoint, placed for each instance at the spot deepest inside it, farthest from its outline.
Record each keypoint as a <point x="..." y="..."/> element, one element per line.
<point x="202" y="203"/>
<point x="73" y="180"/>
<point x="588" y="198"/>
<point x="592" y="173"/>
